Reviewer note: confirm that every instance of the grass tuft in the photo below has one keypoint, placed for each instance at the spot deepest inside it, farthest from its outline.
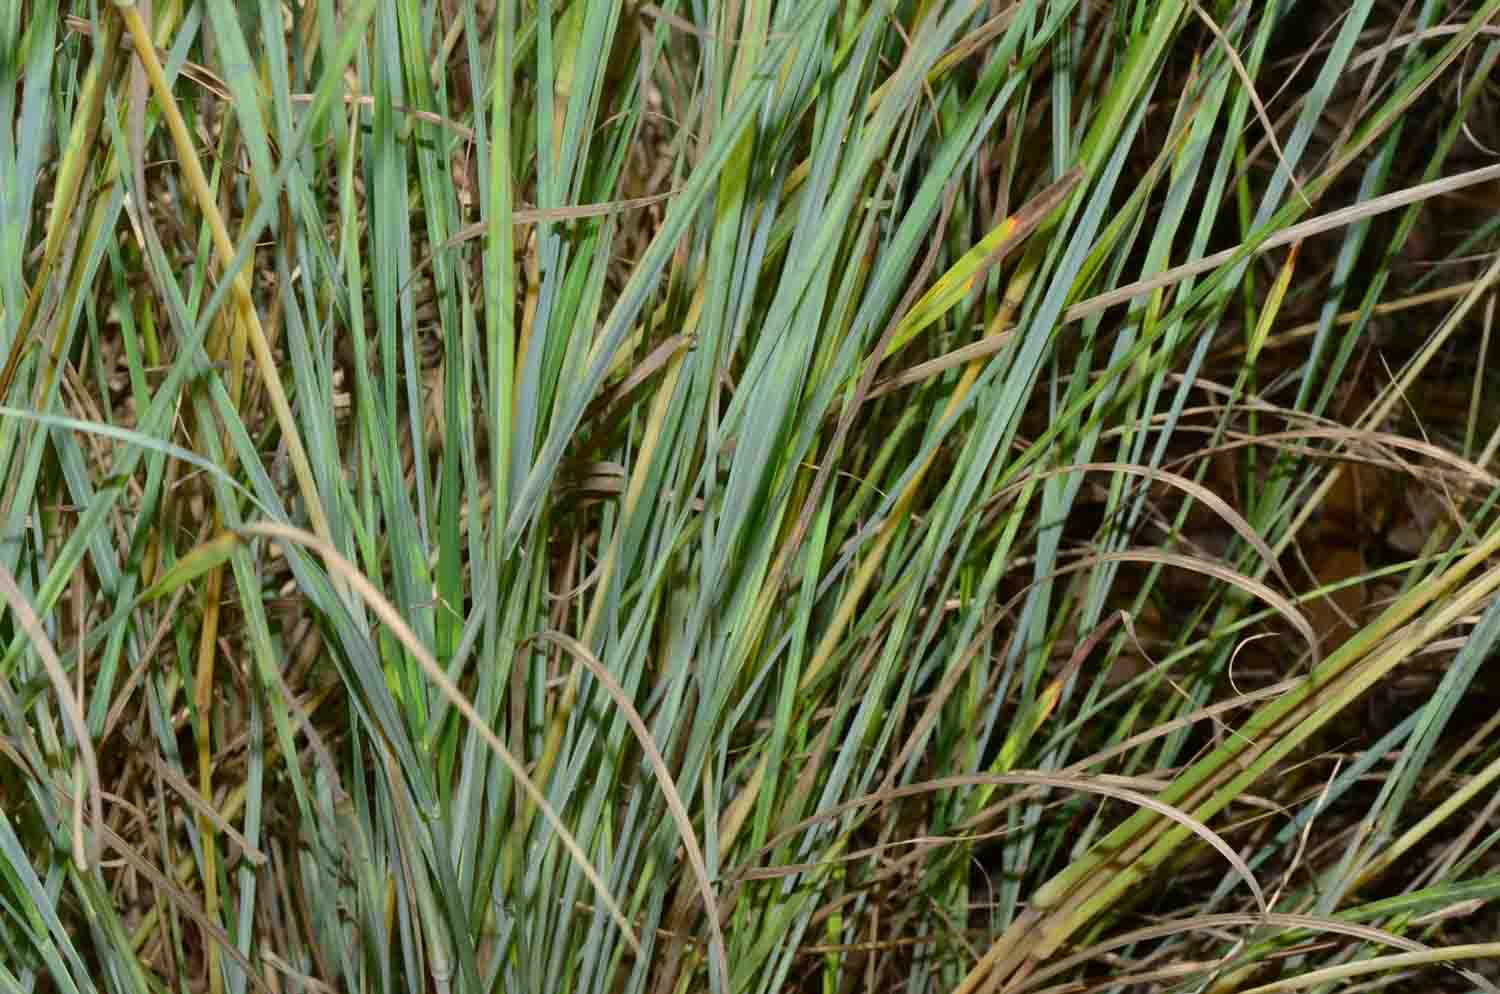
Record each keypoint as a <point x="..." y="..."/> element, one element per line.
<point x="575" y="495"/>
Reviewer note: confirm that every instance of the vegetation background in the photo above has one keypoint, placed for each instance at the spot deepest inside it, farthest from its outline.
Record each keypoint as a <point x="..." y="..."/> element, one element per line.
<point x="568" y="495"/>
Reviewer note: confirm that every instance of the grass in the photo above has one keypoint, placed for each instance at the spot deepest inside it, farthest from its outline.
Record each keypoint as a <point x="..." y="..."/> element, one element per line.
<point x="587" y="496"/>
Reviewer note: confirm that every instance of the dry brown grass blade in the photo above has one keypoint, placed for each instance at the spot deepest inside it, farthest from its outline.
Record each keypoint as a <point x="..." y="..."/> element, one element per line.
<point x="1340" y="218"/>
<point x="205" y="808"/>
<point x="1219" y="571"/>
<point x="1346" y="318"/>
<point x="1202" y="494"/>
<point x="1249" y="584"/>
<point x="993" y="811"/>
<point x="425" y="116"/>
<point x="986" y="346"/>
<point x="72" y="712"/>
<point x="1191" y="718"/>
<point x="1463" y="469"/>
<point x="538" y="215"/>
<point x="1088" y="785"/>
<point x="642" y="372"/>
<point x="1248" y="82"/>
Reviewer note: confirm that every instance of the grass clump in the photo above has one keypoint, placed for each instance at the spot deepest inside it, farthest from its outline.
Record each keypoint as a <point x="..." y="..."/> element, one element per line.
<point x="596" y="496"/>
